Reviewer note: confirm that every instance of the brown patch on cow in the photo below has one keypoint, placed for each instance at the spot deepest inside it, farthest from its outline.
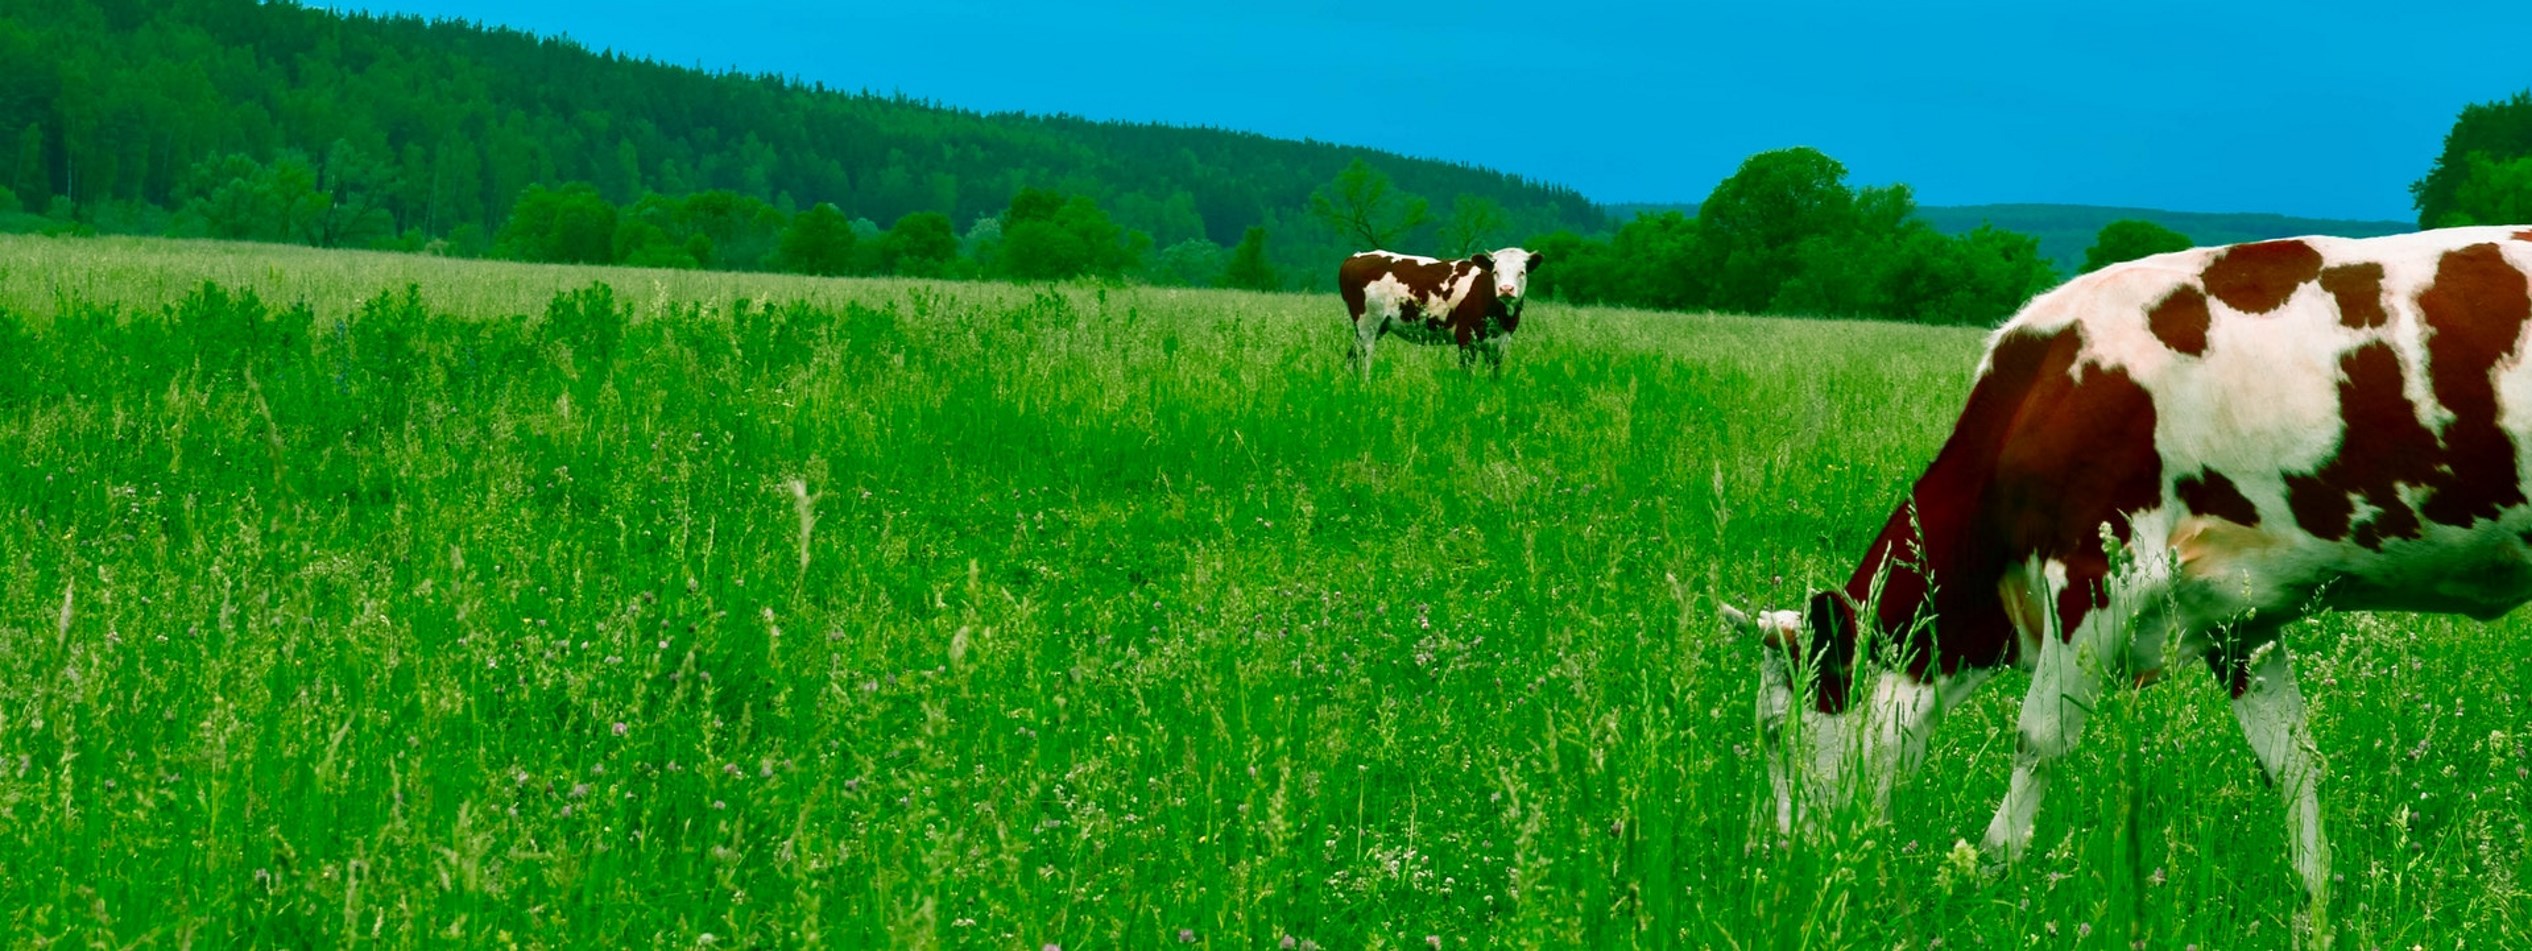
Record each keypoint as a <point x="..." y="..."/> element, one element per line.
<point x="2210" y="493"/>
<point x="2523" y="235"/>
<point x="2180" y="320"/>
<point x="2257" y="278"/>
<point x="2044" y="455"/>
<point x="2382" y="448"/>
<point x="2359" y="290"/>
<point x="2475" y="310"/>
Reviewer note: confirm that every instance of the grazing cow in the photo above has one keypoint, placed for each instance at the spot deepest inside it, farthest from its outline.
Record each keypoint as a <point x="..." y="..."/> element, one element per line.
<point x="1433" y="301"/>
<point x="2168" y="460"/>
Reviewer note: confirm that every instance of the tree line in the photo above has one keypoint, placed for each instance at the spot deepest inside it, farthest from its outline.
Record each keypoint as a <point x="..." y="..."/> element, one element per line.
<point x="234" y="118"/>
<point x="270" y="121"/>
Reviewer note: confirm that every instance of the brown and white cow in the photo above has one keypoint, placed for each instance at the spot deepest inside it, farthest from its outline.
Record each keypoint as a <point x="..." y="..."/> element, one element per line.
<point x="1474" y="302"/>
<point x="2169" y="460"/>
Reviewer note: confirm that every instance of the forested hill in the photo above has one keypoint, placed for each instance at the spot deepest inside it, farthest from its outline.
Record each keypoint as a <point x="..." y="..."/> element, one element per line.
<point x="128" y="108"/>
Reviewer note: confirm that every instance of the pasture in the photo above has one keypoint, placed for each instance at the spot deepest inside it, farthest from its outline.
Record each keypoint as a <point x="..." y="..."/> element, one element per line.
<point x="384" y="600"/>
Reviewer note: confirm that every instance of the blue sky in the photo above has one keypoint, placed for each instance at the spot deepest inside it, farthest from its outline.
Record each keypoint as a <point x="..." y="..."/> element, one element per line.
<point x="2324" y="109"/>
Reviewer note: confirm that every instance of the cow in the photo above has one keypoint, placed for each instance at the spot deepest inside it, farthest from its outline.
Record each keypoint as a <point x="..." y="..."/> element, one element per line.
<point x="2170" y="460"/>
<point x="1427" y="300"/>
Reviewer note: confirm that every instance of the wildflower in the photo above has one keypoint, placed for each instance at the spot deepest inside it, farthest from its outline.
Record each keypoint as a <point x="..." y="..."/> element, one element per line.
<point x="1185" y="935"/>
<point x="620" y="728"/>
<point x="1433" y="941"/>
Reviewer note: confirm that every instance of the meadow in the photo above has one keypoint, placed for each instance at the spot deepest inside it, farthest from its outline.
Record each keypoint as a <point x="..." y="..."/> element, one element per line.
<point x="364" y="599"/>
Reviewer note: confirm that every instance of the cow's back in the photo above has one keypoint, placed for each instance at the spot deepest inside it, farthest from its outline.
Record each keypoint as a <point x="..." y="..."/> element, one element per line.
<point x="1356" y="274"/>
<point x="2287" y="416"/>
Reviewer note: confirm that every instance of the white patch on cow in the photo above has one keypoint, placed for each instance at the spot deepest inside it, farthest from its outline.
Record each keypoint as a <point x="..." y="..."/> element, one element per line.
<point x="2514" y="377"/>
<point x="1512" y="273"/>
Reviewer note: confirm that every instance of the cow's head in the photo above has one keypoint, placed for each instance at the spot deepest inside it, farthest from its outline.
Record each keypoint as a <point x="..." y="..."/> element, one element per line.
<point x="1826" y="754"/>
<point x="1511" y="269"/>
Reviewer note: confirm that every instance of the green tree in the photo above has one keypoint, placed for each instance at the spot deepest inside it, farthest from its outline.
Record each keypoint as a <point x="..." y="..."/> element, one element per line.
<point x="1041" y="250"/>
<point x="1194" y="262"/>
<point x="1047" y="235"/>
<point x="1653" y="261"/>
<point x="641" y="242"/>
<point x="1363" y="207"/>
<point x="819" y="241"/>
<point x="1754" y="223"/>
<point x="1475" y="223"/>
<point x="357" y="187"/>
<point x="1249" y="269"/>
<point x="2495" y="192"/>
<point x="571" y="224"/>
<point x="2500" y="131"/>
<point x="237" y="197"/>
<point x="921" y="244"/>
<point x="34" y="179"/>
<point x="2128" y="239"/>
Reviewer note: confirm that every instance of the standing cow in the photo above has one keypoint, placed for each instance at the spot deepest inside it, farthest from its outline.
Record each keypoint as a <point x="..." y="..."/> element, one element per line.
<point x="1426" y="300"/>
<point x="2166" y="461"/>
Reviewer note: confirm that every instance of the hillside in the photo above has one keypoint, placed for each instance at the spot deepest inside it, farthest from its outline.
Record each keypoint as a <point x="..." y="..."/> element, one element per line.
<point x="2066" y="230"/>
<point x="427" y="130"/>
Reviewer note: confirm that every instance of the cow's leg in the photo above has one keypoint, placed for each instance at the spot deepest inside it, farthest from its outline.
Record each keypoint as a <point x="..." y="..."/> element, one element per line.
<point x="1494" y="355"/>
<point x="2269" y="706"/>
<point x="2064" y="686"/>
<point x="1367" y="330"/>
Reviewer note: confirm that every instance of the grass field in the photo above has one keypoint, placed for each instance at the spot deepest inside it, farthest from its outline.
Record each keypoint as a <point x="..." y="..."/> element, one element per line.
<point x="366" y="599"/>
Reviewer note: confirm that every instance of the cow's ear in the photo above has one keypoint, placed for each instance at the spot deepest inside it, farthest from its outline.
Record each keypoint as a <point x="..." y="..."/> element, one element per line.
<point x="1483" y="259"/>
<point x="1537" y="258"/>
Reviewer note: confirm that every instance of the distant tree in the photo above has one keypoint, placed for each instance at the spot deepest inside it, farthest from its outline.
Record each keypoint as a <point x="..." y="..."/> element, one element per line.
<point x="2500" y="131"/>
<point x="1363" y="207"/>
<point x="1047" y="235"/>
<point x="1194" y="262"/>
<point x="1040" y="249"/>
<point x="2493" y="193"/>
<point x="1754" y="222"/>
<point x="819" y="241"/>
<point x="2128" y="239"/>
<point x="640" y="242"/>
<point x="357" y="187"/>
<point x="33" y="181"/>
<point x="921" y="244"/>
<point x="1653" y="261"/>
<point x="739" y="231"/>
<point x="1475" y="223"/>
<point x="1248" y="268"/>
<point x="235" y="196"/>
<point x="571" y="224"/>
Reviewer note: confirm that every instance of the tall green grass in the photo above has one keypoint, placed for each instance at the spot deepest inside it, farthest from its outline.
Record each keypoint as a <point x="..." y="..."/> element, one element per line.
<point x="361" y="599"/>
